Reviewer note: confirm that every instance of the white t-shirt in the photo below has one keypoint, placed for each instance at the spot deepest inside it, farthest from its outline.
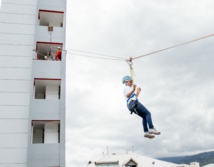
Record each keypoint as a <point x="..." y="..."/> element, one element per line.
<point x="127" y="90"/>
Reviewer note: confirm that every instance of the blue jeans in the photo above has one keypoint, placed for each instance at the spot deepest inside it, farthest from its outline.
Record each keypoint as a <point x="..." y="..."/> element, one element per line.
<point x="144" y="114"/>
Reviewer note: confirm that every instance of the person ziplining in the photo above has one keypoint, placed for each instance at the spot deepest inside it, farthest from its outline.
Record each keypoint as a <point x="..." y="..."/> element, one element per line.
<point x="131" y="91"/>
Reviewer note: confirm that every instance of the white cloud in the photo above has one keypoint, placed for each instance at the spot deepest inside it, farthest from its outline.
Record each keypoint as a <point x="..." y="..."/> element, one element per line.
<point x="177" y="85"/>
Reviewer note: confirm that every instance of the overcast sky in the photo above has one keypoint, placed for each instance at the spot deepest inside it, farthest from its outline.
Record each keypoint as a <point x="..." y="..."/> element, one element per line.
<point x="177" y="85"/>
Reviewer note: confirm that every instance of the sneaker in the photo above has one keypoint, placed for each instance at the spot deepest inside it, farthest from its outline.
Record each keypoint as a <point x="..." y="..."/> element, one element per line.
<point x="147" y="135"/>
<point x="154" y="131"/>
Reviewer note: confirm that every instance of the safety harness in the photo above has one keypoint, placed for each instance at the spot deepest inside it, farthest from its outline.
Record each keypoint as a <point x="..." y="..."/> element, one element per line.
<point x="132" y="105"/>
<point x="130" y="97"/>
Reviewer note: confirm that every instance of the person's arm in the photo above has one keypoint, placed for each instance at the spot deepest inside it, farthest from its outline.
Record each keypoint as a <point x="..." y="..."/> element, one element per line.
<point x="130" y="93"/>
<point x="138" y="91"/>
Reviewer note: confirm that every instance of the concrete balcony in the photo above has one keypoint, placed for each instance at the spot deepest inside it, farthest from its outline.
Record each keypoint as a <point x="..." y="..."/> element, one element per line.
<point x="57" y="5"/>
<point x="46" y="69"/>
<point x="45" y="155"/>
<point x="43" y="109"/>
<point x="42" y="34"/>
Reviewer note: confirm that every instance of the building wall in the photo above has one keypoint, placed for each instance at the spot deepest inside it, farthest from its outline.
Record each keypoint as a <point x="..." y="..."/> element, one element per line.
<point x="18" y="68"/>
<point x="17" y="27"/>
<point x="50" y="153"/>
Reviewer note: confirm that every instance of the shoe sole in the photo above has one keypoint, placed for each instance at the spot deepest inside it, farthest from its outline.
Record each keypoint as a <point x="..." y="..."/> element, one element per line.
<point x="153" y="133"/>
<point x="150" y="137"/>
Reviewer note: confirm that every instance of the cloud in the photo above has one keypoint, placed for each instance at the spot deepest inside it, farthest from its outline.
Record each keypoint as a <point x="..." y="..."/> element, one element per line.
<point x="177" y="85"/>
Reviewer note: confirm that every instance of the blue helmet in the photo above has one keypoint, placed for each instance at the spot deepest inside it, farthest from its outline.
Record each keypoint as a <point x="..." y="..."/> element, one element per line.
<point x="126" y="78"/>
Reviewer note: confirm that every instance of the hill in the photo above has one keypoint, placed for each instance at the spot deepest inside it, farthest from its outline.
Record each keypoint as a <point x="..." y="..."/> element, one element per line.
<point x="203" y="158"/>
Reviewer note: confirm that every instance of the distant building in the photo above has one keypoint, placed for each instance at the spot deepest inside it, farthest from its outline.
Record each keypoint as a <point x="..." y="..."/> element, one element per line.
<point x="209" y="165"/>
<point x="193" y="164"/>
<point x="133" y="160"/>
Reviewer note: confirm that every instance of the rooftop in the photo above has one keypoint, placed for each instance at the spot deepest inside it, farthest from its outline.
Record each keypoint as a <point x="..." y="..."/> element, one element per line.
<point x="130" y="160"/>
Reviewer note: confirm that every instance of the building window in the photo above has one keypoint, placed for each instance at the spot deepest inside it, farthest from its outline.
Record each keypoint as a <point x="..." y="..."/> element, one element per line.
<point x="50" y="18"/>
<point x="131" y="163"/>
<point x="45" y="132"/>
<point x="47" y="88"/>
<point x="48" y="51"/>
<point x="107" y="164"/>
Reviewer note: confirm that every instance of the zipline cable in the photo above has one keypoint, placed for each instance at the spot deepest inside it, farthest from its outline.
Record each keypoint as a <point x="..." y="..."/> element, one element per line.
<point x="173" y="46"/>
<point x="97" y="57"/>
<point x="129" y="61"/>
<point x="104" y="56"/>
<point x="99" y="54"/>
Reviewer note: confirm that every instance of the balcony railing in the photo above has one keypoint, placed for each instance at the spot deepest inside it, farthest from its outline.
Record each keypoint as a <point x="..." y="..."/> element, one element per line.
<point x="46" y="69"/>
<point x="43" y="109"/>
<point x="58" y="5"/>
<point x="57" y="35"/>
<point x="45" y="154"/>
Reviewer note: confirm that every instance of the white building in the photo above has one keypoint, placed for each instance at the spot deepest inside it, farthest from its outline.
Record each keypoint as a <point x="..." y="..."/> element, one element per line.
<point x="192" y="164"/>
<point x="209" y="165"/>
<point x="32" y="83"/>
<point x="133" y="160"/>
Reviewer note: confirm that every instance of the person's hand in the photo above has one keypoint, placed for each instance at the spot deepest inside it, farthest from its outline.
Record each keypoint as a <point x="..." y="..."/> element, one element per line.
<point x="138" y="90"/>
<point x="134" y="87"/>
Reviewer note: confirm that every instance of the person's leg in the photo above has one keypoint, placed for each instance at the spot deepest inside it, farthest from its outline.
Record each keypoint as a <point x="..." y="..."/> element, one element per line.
<point x="145" y="113"/>
<point x="145" y="128"/>
<point x="144" y="122"/>
<point x="148" y="116"/>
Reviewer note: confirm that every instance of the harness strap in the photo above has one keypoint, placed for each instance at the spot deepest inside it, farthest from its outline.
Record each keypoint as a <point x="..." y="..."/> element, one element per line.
<point x="135" y="111"/>
<point x="130" y="63"/>
<point x="131" y="97"/>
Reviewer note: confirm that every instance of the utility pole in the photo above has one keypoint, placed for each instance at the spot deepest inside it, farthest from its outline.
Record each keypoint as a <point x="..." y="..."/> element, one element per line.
<point x="153" y="163"/>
